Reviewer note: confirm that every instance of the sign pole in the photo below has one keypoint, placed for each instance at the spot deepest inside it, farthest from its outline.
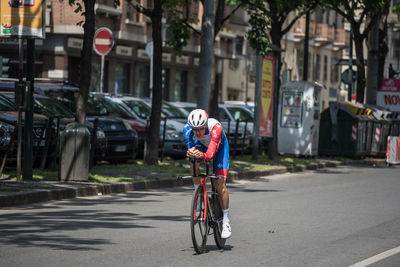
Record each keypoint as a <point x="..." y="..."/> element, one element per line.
<point x="149" y="52"/>
<point x="102" y="74"/>
<point x="28" y="147"/>
<point x="103" y="43"/>
<point x="257" y="103"/>
<point x="18" y="101"/>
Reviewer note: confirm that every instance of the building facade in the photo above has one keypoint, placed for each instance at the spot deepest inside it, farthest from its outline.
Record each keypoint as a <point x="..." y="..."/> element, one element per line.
<point x="127" y="66"/>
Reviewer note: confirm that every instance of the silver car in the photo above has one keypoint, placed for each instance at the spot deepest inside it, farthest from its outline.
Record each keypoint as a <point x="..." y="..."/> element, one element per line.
<point x="238" y="140"/>
<point x="174" y="144"/>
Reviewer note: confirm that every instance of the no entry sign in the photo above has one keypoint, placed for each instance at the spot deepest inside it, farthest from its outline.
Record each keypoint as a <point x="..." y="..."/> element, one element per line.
<point x="103" y="41"/>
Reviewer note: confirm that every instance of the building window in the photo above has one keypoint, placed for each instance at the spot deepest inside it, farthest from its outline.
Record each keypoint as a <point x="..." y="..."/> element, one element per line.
<point x="319" y="16"/>
<point x="165" y="83"/>
<point x="179" y="93"/>
<point x="396" y="50"/>
<point x="335" y="73"/>
<point x="234" y="64"/>
<point x="95" y="77"/>
<point x="121" y="82"/>
<point x="317" y="68"/>
<point x="325" y="74"/>
<point x="142" y="81"/>
<point x="299" y="61"/>
<point x="192" y="96"/>
<point x="131" y="13"/>
<point x="239" y="41"/>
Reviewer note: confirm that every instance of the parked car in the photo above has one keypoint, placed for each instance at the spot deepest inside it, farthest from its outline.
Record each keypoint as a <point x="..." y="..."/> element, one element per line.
<point x="174" y="144"/>
<point x="122" y="140"/>
<point x="121" y="110"/>
<point x="61" y="116"/>
<point x="243" y="134"/>
<point x="247" y="105"/>
<point x="9" y="131"/>
<point x="170" y="111"/>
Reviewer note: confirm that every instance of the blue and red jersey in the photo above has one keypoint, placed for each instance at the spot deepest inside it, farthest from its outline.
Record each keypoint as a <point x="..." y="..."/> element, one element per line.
<point x="213" y="144"/>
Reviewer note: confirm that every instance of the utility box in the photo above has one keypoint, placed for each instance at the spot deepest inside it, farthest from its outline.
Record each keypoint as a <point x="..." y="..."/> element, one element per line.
<point x="298" y="118"/>
<point x="74" y="153"/>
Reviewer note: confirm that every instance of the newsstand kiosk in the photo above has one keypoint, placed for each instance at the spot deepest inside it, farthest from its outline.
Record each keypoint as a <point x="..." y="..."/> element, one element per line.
<point x="298" y="118"/>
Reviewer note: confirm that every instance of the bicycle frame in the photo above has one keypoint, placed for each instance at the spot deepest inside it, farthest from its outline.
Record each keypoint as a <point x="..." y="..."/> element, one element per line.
<point x="210" y="209"/>
<point x="203" y="183"/>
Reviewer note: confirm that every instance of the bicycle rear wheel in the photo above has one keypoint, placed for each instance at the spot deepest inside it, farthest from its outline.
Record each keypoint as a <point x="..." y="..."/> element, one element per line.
<point x="199" y="221"/>
<point x="220" y="242"/>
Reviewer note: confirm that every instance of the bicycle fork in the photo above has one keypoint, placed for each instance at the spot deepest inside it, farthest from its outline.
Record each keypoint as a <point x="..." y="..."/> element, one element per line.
<point x="203" y="185"/>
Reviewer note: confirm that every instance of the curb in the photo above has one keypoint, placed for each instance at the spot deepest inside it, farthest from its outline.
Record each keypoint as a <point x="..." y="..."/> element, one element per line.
<point x="43" y="195"/>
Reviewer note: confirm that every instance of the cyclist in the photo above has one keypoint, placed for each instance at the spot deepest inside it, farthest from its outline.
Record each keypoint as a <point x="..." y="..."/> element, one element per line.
<point x="205" y="139"/>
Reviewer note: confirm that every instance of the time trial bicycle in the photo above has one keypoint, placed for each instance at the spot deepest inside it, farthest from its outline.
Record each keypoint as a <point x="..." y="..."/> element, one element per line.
<point x="206" y="213"/>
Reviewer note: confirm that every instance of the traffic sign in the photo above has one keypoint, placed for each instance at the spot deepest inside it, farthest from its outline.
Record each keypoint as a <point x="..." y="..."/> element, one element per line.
<point x="103" y="41"/>
<point x="345" y="76"/>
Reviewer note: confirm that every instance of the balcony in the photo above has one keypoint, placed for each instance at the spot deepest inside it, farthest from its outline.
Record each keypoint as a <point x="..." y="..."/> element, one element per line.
<point x="324" y="34"/>
<point x="299" y="28"/>
<point x="342" y="38"/>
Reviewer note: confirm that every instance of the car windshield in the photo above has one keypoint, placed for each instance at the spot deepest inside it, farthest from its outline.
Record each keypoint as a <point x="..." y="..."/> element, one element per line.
<point x="95" y="107"/>
<point x="68" y="99"/>
<point x="141" y="109"/>
<point x="5" y="104"/>
<point x="240" y="114"/>
<point x="116" y="109"/>
<point x="50" y="107"/>
<point x="188" y="109"/>
<point x="172" y="111"/>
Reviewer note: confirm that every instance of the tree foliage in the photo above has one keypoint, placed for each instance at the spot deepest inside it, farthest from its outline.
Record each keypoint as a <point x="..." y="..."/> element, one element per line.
<point x="361" y="14"/>
<point x="257" y="35"/>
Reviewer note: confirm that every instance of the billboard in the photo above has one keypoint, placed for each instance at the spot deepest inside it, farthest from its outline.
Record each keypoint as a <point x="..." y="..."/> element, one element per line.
<point x="388" y="95"/>
<point x="22" y="18"/>
<point x="267" y="97"/>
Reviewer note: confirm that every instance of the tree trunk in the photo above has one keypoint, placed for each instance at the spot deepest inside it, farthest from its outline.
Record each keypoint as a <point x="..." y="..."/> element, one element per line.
<point x="276" y="36"/>
<point x="358" y="41"/>
<point x="86" y="61"/>
<point x="373" y="64"/>
<point x="153" y="133"/>
<point x="206" y="54"/>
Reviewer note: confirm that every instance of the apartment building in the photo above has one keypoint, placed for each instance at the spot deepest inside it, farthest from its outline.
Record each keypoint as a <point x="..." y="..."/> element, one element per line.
<point x="328" y="47"/>
<point x="127" y="66"/>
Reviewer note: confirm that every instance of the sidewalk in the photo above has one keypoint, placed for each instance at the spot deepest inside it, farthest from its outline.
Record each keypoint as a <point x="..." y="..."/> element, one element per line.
<point x="27" y="192"/>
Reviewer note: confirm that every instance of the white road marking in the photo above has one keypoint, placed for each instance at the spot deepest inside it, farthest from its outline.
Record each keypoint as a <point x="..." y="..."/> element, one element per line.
<point x="377" y="258"/>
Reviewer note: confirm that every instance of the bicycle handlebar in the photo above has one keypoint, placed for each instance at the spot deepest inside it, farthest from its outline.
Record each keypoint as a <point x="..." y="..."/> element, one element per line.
<point x="189" y="177"/>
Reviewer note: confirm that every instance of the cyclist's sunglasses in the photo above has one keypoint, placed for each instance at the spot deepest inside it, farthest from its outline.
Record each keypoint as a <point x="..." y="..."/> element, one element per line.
<point x="198" y="129"/>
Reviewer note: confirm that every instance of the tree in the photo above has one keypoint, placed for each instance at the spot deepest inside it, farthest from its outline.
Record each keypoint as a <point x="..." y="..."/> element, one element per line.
<point x="86" y="54"/>
<point x="213" y="20"/>
<point x="361" y="15"/>
<point x="155" y="15"/>
<point x="277" y="13"/>
<point x="174" y="11"/>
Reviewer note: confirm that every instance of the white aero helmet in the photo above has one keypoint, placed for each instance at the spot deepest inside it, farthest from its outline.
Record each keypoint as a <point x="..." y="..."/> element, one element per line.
<point x="198" y="119"/>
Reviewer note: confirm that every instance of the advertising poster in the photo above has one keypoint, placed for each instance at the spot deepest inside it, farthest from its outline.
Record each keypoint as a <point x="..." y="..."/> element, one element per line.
<point x="22" y="18"/>
<point x="267" y="97"/>
<point x="292" y="103"/>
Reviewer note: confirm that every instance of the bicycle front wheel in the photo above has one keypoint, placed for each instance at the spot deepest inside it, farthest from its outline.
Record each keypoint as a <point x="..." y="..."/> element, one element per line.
<point x="199" y="221"/>
<point x="220" y="242"/>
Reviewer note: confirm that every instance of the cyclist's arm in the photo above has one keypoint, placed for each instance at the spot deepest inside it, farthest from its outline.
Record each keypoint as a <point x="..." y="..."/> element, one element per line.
<point x="188" y="135"/>
<point x="216" y="132"/>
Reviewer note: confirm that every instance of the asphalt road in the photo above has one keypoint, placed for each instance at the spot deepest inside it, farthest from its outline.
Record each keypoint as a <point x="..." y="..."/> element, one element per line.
<point x="331" y="217"/>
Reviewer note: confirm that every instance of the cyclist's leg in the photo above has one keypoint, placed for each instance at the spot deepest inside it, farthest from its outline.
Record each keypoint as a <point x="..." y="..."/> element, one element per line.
<point x="196" y="179"/>
<point x="221" y="165"/>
